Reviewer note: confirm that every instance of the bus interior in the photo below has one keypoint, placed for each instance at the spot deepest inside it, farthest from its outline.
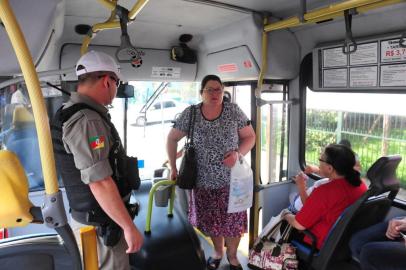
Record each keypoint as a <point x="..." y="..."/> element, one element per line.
<point x="307" y="73"/>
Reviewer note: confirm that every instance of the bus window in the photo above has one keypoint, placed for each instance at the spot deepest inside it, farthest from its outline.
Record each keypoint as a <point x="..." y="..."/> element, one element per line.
<point x="274" y="150"/>
<point x="147" y="139"/>
<point x="374" y="124"/>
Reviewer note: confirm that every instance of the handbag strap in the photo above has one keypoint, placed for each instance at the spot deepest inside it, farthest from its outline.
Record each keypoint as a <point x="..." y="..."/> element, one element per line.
<point x="191" y="128"/>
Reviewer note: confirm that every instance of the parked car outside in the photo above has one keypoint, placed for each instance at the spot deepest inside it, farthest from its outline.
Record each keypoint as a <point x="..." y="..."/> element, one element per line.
<point x="161" y="111"/>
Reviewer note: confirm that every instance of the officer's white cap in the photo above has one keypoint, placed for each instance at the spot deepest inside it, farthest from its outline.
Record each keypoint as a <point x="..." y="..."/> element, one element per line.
<point x="97" y="61"/>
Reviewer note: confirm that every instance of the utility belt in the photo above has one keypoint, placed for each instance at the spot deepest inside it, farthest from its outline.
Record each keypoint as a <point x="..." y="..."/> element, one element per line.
<point x="105" y="226"/>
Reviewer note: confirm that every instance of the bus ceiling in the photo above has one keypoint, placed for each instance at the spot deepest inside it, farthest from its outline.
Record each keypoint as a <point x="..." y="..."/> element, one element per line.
<point x="49" y="27"/>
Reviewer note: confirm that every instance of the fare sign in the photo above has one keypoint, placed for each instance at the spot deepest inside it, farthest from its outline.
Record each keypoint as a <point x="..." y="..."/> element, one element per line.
<point x="392" y="52"/>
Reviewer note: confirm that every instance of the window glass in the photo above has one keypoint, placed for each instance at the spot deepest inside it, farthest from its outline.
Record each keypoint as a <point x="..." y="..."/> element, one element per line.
<point x="375" y="125"/>
<point x="274" y="143"/>
<point x="18" y="133"/>
<point x="150" y="114"/>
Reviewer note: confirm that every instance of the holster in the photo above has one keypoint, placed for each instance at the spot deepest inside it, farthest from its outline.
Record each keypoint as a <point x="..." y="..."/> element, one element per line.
<point x="131" y="174"/>
<point x="111" y="234"/>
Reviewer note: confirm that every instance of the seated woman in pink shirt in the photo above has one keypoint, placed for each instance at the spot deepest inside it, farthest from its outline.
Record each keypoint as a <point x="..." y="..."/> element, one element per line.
<point x="326" y="203"/>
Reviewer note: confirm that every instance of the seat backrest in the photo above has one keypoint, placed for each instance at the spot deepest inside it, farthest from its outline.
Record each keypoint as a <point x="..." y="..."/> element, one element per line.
<point x="382" y="175"/>
<point x="377" y="200"/>
<point x="14" y="203"/>
<point x="33" y="251"/>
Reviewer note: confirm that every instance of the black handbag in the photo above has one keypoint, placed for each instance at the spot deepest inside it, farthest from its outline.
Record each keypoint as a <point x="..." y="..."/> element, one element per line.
<point x="188" y="168"/>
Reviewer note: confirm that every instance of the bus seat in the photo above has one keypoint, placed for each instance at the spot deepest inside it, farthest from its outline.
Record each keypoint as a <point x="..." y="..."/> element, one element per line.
<point x="21" y="115"/>
<point x="14" y="203"/>
<point x="32" y="252"/>
<point x="22" y="140"/>
<point x="377" y="199"/>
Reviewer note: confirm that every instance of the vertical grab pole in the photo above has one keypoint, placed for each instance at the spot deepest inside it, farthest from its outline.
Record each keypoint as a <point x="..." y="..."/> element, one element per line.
<point x="255" y="208"/>
<point x="89" y="248"/>
<point x="37" y="100"/>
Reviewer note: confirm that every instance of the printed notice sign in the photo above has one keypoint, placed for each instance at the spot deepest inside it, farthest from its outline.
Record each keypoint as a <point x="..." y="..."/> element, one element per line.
<point x="365" y="54"/>
<point x="335" y="77"/>
<point x="363" y="76"/>
<point x="334" y="58"/>
<point x="393" y="75"/>
<point x="166" y="72"/>
<point x="392" y="52"/>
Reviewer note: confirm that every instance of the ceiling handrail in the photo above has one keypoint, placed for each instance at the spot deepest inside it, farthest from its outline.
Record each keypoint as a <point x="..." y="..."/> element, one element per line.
<point x="330" y="12"/>
<point x="112" y="22"/>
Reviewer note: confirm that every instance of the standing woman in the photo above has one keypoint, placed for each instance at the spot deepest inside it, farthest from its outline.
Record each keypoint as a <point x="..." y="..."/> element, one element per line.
<point x="222" y="132"/>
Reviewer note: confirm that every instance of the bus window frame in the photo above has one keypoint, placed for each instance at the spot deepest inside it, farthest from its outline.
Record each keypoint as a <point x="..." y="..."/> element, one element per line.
<point x="306" y="81"/>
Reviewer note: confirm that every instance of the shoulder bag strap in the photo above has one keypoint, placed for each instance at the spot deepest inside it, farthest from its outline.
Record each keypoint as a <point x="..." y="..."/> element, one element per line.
<point x="189" y="139"/>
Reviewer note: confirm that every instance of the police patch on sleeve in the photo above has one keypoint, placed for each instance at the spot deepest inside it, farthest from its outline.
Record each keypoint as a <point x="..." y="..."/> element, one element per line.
<point x="96" y="142"/>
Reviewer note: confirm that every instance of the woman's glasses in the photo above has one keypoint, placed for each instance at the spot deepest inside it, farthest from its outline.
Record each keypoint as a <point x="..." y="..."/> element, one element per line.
<point x="213" y="90"/>
<point x="323" y="160"/>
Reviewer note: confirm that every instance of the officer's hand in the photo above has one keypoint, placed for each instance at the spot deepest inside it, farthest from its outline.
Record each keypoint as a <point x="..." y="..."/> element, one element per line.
<point x="134" y="239"/>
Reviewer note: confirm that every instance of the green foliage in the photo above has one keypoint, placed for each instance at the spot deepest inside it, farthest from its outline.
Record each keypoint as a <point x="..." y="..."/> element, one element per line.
<point x="366" y="139"/>
<point x="316" y="140"/>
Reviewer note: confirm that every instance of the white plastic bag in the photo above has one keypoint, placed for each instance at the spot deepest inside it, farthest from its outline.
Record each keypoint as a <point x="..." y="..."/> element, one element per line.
<point x="241" y="187"/>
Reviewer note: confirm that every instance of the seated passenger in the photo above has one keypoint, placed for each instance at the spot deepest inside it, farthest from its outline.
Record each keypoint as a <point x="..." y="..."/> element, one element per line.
<point x="381" y="246"/>
<point x="326" y="203"/>
<point x="301" y="179"/>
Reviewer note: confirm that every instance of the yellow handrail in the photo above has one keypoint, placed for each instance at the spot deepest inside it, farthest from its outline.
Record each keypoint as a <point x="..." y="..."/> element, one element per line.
<point x="34" y="90"/>
<point x="318" y="15"/>
<point x="264" y="68"/>
<point x="330" y="12"/>
<point x="111" y="23"/>
<point x="89" y="248"/>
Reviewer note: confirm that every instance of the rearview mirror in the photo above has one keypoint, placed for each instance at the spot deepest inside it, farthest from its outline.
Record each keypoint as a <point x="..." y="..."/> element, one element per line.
<point x="125" y="91"/>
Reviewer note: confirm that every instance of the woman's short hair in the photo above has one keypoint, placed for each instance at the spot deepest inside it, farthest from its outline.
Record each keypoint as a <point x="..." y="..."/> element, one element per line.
<point x="209" y="78"/>
<point x="342" y="159"/>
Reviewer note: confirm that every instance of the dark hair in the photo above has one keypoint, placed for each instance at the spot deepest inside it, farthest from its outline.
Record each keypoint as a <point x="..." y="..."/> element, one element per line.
<point x="345" y="142"/>
<point x="209" y="78"/>
<point x="342" y="159"/>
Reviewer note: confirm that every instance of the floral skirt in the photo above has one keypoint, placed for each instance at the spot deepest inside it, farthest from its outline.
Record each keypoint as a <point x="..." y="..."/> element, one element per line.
<point x="208" y="213"/>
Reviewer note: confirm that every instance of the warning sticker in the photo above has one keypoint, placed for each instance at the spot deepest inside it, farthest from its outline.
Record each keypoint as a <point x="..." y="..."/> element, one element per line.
<point x="166" y="72"/>
<point x="393" y="75"/>
<point x="226" y="68"/>
<point x="335" y="77"/>
<point x="334" y="58"/>
<point x="364" y="76"/>
<point x="365" y="54"/>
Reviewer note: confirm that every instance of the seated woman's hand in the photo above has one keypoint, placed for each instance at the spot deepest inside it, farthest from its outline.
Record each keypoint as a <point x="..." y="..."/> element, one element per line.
<point x="285" y="212"/>
<point x="300" y="180"/>
<point x="230" y="158"/>
<point x="309" y="169"/>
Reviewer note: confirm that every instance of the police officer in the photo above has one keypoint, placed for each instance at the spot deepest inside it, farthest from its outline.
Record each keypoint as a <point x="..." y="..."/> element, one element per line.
<point x="96" y="193"/>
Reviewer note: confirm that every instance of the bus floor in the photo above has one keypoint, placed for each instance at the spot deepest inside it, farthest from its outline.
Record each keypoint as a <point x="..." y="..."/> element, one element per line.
<point x="172" y="242"/>
<point x="207" y="246"/>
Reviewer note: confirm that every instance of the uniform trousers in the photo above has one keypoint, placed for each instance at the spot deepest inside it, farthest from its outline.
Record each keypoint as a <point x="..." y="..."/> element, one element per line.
<point x="109" y="257"/>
